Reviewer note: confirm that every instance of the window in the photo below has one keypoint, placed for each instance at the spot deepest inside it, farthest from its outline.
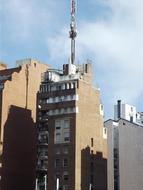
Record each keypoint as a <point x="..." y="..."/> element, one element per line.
<point x="65" y="162"/>
<point x="58" y="122"/>
<point x="66" y="124"/>
<point x="58" y="137"/>
<point x="91" y="142"/>
<point x="65" y="98"/>
<point x="72" y="97"/>
<point x="65" y="150"/>
<point x="59" y="87"/>
<point x="62" y="133"/>
<point x="65" y="187"/>
<point x="65" y="110"/>
<point x="67" y="86"/>
<point x="72" y="86"/>
<point x="56" y="99"/>
<point x="91" y="179"/>
<point x="57" y="162"/>
<point x="66" y="136"/>
<point x="58" y="128"/>
<point x="66" y="176"/>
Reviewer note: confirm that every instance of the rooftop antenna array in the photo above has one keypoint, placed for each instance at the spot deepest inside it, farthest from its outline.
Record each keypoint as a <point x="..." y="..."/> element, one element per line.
<point x="73" y="32"/>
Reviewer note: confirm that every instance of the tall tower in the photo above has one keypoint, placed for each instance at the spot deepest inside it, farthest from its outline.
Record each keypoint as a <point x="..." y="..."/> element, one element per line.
<point x="70" y="110"/>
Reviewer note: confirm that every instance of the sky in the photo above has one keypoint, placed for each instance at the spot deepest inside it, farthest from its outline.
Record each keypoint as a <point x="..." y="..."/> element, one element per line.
<point x="110" y="34"/>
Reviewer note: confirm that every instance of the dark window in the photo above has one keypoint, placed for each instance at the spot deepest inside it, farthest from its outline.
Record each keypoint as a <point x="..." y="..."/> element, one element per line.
<point x="91" y="179"/>
<point x="66" y="177"/>
<point x="131" y="119"/>
<point x="59" y="87"/>
<point x="57" y="162"/>
<point x="65" y="162"/>
<point x="58" y="127"/>
<point x="66" y="136"/>
<point x="92" y="142"/>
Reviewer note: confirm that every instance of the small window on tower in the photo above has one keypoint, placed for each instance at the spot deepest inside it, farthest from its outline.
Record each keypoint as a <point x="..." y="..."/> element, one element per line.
<point x="58" y="128"/>
<point x="57" y="162"/>
<point x="65" y="162"/>
<point x="66" y="124"/>
<point x="66" y="136"/>
<point x="66" y="176"/>
<point x="58" y="137"/>
<point x="92" y="144"/>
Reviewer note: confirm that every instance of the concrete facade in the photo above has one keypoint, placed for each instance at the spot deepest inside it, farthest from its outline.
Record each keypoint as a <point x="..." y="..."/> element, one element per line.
<point x="18" y="88"/>
<point x="77" y="151"/>
<point x="125" y="155"/>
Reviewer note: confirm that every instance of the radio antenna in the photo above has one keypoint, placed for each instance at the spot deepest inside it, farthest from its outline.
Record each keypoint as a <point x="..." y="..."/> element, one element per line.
<point x="73" y="32"/>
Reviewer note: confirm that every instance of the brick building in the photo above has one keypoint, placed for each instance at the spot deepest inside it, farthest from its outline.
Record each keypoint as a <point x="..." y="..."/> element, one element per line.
<point x="18" y="88"/>
<point x="70" y="131"/>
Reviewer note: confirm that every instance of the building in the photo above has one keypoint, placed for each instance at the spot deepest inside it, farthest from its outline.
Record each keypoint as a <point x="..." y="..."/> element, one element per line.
<point x="18" y="89"/>
<point x="125" y="155"/>
<point x="127" y="112"/>
<point x="124" y="111"/>
<point x="72" y="152"/>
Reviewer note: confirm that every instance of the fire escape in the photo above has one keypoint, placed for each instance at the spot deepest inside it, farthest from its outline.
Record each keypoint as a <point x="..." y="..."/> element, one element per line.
<point x="42" y="149"/>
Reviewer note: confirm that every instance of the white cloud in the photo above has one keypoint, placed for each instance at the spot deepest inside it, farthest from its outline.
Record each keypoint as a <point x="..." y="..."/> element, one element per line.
<point x="24" y="19"/>
<point x="59" y="45"/>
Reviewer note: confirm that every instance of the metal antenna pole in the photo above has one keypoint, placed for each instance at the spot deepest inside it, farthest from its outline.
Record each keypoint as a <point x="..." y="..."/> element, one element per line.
<point x="73" y="32"/>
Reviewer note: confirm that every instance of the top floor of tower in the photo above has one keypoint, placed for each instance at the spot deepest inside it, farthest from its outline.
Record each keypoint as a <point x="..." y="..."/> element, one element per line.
<point x="69" y="72"/>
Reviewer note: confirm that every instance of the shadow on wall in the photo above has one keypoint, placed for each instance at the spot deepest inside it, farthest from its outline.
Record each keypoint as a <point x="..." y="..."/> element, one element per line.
<point x="93" y="170"/>
<point x="19" y="151"/>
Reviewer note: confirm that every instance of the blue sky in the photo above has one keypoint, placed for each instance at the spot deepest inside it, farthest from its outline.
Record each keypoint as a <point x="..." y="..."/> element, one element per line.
<point x="110" y="33"/>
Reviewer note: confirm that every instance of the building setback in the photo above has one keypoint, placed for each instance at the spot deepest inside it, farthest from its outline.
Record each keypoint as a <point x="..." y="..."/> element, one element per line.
<point x="71" y="115"/>
<point x="18" y="88"/>
<point x="125" y="155"/>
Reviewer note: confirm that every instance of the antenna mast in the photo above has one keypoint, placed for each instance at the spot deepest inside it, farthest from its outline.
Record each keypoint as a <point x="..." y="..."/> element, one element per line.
<point x="73" y="32"/>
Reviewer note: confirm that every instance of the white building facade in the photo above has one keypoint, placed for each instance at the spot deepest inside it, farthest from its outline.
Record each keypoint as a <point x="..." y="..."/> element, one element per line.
<point x="125" y="155"/>
<point x="127" y="112"/>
